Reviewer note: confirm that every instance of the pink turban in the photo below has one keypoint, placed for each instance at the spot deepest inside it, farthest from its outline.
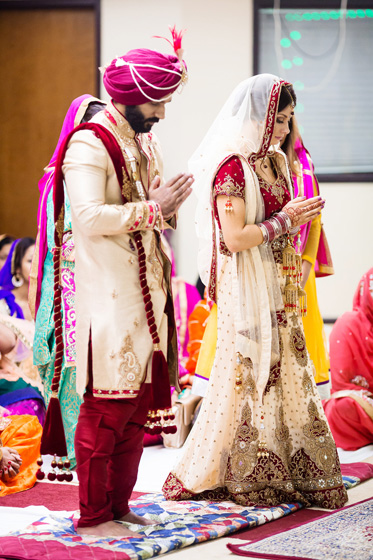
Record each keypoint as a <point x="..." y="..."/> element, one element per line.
<point x="143" y="75"/>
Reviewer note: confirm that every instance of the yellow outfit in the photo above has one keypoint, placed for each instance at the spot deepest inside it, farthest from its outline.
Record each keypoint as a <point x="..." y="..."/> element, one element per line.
<point x="312" y="323"/>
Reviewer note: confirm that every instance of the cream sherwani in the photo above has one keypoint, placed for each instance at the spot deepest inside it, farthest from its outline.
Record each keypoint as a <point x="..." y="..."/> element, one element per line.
<point x="109" y="301"/>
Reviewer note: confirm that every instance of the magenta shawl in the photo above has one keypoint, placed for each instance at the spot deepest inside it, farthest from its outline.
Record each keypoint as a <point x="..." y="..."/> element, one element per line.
<point x="73" y="117"/>
<point x="323" y="264"/>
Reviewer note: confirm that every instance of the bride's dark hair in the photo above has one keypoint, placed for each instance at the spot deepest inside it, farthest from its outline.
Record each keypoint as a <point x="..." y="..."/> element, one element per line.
<point x="287" y="97"/>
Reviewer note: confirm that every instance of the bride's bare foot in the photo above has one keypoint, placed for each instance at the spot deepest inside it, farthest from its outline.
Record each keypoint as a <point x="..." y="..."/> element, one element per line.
<point x="132" y="517"/>
<point x="108" y="529"/>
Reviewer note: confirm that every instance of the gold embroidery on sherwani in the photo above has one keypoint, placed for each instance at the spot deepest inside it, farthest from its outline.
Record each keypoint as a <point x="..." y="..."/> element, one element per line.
<point x="306" y="383"/>
<point x="320" y="444"/>
<point x="130" y="368"/>
<point x="126" y="187"/>
<point x="153" y="164"/>
<point x="298" y="346"/>
<point x="244" y="450"/>
<point x="156" y="267"/>
<point x="144" y="218"/>
<point x="131" y="214"/>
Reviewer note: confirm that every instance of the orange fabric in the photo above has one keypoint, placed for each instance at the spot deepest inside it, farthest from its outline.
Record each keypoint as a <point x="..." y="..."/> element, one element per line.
<point x="196" y="326"/>
<point x="23" y="434"/>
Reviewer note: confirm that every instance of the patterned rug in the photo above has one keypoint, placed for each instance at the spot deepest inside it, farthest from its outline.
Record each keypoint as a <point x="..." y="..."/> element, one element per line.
<point x="180" y="524"/>
<point x="364" y="471"/>
<point x="346" y="534"/>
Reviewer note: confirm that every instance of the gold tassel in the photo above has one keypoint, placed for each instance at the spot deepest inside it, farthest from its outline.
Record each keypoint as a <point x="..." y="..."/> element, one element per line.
<point x="289" y="260"/>
<point x="298" y="260"/>
<point x="302" y="301"/>
<point x="228" y="207"/>
<point x="291" y="296"/>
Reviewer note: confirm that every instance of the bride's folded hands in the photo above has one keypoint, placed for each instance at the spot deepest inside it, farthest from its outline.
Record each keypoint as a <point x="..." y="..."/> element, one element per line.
<point x="301" y="209"/>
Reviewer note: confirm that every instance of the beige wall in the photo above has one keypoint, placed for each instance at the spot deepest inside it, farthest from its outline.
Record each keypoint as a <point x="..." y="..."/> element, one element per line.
<point x="348" y="223"/>
<point x="218" y="52"/>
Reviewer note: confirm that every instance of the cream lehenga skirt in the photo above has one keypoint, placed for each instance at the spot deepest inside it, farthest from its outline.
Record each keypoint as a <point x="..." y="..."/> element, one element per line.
<point x="252" y="453"/>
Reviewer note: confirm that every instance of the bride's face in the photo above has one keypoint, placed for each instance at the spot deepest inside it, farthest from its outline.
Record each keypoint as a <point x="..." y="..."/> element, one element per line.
<point x="281" y="128"/>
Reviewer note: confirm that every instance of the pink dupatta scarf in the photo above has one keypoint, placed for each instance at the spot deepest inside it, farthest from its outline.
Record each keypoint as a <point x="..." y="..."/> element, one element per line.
<point x="323" y="264"/>
<point x="73" y="117"/>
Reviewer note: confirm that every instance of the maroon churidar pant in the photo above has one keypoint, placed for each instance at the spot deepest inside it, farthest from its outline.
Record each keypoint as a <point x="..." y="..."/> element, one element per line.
<point x="108" y="447"/>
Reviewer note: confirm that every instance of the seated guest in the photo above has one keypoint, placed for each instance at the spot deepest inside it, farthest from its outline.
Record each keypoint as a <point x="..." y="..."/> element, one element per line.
<point x="19" y="450"/>
<point x="14" y="279"/>
<point x="5" y="245"/>
<point x="21" y="389"/>
<point x="350" y="409"/>
<point x="20" y="433"/>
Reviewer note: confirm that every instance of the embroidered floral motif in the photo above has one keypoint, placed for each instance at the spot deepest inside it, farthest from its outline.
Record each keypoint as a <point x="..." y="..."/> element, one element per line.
<point x="248" y="383"/>
<point x="298" y="346"/>
<point x="174" y="490"/>
<point x="306" y="383"/>
<point x="228" y="185"/>
<point x="281" y="318"/>
<point x="274" y="376"/>
<point x="130" y="368"/>
<point x="68" y="247"/>
<point x="153" y="260"/>
<point x="278" y="191"/>
<point x="68" y="303"/>
<point x="322" y="489"/>
<point x="229" y="181"/>
<point x="126" y="187"/>
<point x="131" y="216"/>
<point x="223" y="249"/>
<point x="243" y="455"/>
<point x="320" y="444"/>
<point x="282" y="434"/>
<point x="277" y="246"/>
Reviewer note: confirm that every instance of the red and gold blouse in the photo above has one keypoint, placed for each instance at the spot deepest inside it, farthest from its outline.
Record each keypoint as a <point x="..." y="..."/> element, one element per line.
<point x="230" y="181"/>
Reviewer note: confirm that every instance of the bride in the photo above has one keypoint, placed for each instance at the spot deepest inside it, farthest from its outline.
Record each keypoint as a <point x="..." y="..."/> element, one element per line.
<point x="261" y="437"/>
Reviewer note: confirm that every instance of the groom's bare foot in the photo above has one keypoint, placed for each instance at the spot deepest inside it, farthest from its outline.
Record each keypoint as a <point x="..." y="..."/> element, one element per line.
<point x="132" y="517"/>
<point x="108" y="529"/>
